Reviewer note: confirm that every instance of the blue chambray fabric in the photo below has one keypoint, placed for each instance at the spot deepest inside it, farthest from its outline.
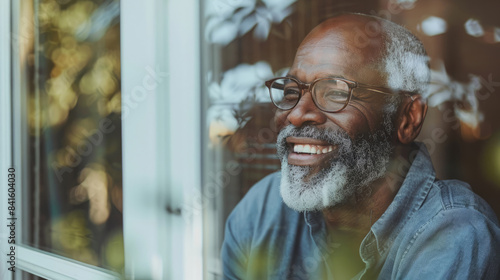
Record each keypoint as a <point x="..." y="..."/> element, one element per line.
<point x="433" y="229"/>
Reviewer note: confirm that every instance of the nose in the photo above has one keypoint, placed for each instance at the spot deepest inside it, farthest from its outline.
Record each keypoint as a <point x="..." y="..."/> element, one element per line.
<point x="306" y="112"/>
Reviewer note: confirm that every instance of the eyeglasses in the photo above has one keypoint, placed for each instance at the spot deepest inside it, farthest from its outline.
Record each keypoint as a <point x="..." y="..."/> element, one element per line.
<point x="329" y="94"/>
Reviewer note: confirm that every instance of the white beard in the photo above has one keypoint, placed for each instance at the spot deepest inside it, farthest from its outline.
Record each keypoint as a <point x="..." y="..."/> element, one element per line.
<point x="355" y="165"/>
<point x="314" y="194"/>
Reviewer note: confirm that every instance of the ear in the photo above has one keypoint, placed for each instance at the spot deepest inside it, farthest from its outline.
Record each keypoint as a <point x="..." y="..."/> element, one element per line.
<point x="412" y="117"/>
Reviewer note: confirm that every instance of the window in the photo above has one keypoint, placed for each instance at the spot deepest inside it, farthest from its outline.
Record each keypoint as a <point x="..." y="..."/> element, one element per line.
<point x="92" y="68"/>
<point x="248" y="42"/>
<point x="69" y="74"/>
<point x="66" y="137"/>
<point x="245" y="44"/>
<point x="135" y="127"/>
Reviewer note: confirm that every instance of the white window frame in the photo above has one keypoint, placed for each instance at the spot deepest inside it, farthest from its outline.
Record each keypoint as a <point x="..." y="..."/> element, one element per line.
<point x="162" y="139"/>
<point x="5" y="128"/>
<point x="161" y="145"/>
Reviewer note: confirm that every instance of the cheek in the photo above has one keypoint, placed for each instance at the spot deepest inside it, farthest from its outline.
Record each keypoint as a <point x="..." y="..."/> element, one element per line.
<point x="368" y="117"/>
<point x="280" y="119"/>
<point x="351" y="121"/>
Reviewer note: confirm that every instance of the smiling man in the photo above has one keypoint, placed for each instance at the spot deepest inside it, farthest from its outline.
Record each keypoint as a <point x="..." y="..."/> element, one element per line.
<point x="356" y="196"/>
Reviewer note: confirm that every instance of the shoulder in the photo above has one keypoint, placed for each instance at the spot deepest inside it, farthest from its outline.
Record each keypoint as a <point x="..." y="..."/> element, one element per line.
<point x="262" y="191"/>
<point x="264" y="196"/>
<point x="257" y="223"/>
<point x="452" y="203"/>
<point x="458" y="195"/>
<point x="456" y="228"/>
<point x="262" y="208"/>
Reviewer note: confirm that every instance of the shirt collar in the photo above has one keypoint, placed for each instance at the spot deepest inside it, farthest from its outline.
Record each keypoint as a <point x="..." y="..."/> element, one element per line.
<point x="408" y="200"/>
<point x="411" y="195"/>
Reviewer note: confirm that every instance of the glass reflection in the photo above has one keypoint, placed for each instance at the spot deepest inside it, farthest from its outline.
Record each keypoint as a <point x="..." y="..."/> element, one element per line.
<point x="70" y="63"/>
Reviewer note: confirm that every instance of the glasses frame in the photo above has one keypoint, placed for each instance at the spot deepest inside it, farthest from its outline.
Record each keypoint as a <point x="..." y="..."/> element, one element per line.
<point x="310" y="87"/>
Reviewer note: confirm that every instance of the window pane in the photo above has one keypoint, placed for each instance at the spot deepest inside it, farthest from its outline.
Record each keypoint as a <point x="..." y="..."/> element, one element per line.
<point x="70" y="82"/>
<point x="240" y="140"/>
<point x="248" y="43"/>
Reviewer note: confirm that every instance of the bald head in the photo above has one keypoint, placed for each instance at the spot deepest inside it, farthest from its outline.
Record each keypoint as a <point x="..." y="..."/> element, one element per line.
<point x="360" y="31"/>
<point x="377" y="44"/>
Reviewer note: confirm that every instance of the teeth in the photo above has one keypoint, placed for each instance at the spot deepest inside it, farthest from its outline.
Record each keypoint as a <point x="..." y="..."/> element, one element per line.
<point x="298" y="148"/>
<point x="307" y="149"/>
<point x="312" y="149"/>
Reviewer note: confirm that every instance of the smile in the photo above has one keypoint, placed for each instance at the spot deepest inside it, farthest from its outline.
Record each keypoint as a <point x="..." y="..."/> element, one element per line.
<point x="312" y="149"/>
<point x="308" y="151"/>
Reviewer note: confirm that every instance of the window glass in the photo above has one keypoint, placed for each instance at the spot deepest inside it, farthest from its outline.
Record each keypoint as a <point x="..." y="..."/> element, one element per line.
<point x="70" y="83"/>
<point x="249" y="42"/>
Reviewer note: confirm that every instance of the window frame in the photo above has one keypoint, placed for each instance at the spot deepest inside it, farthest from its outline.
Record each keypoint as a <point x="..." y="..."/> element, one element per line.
<point x="5" y="125"/>
<point x="167" y="176"/>
<point x="13" y="146"/>
<point x="173" y="145"/>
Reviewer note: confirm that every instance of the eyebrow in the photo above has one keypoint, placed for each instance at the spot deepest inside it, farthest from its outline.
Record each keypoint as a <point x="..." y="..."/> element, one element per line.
<point x="329" y="76"/>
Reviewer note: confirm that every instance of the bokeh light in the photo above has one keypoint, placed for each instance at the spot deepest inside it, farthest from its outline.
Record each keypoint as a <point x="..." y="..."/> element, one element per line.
<point x="73" y="85"/>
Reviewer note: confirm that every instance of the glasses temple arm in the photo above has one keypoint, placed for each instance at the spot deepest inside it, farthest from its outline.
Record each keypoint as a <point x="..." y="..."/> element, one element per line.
<point x="385" y="92"/>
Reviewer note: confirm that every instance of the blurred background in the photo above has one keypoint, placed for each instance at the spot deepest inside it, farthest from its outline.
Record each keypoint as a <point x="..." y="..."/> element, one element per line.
<point x="69" y="59"/>
<point x="70" y="76"/>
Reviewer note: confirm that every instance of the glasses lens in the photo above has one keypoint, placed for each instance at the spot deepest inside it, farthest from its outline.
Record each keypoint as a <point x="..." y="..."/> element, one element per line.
<point x="285" y="93"/>
<point x="331" y="94"/>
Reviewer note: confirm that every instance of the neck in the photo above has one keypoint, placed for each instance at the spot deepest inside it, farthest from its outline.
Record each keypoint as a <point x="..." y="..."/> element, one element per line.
<point x="355" y="218"/>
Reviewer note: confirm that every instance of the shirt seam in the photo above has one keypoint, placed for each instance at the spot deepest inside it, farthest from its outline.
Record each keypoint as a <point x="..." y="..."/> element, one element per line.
<point x="425" y="192"/>
<point x="311" y="235"/>
<point x="417" y="234"/>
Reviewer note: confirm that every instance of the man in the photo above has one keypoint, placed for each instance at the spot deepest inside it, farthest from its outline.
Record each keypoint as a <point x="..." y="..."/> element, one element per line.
<point x="359" y="198"/>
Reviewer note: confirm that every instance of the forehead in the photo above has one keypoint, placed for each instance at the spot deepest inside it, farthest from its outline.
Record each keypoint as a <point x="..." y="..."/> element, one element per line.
<point x="339" y="49"/>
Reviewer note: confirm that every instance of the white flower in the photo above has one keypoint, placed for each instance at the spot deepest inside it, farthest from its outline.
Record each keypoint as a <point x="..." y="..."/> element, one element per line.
<point x="406" y="4"/>
<point x="442" y="89"/>
<point x="221" y="123"/>
<point x="496" y="34"/>
<point x="227" y="19"/>
<point x="279" y="9"/>
<point x="226" y="8"/>
<point x="240" y="88"/>
<point x="432" y="26"/>
<point x="474" y="28"/>
<point x="220" y="31"/>
<point x="241" y="82"/>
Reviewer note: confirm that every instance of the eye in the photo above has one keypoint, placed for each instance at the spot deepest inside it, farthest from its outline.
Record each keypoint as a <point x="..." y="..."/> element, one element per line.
<point x="291" y="93"/>
<point x="335" y="95"/>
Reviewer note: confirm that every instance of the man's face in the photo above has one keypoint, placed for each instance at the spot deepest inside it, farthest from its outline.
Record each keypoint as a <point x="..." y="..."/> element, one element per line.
<point x="354" y="143"/>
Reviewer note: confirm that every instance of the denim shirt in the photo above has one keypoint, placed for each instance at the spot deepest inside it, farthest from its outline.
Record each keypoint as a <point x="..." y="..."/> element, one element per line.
<point x="433" y="229"/>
